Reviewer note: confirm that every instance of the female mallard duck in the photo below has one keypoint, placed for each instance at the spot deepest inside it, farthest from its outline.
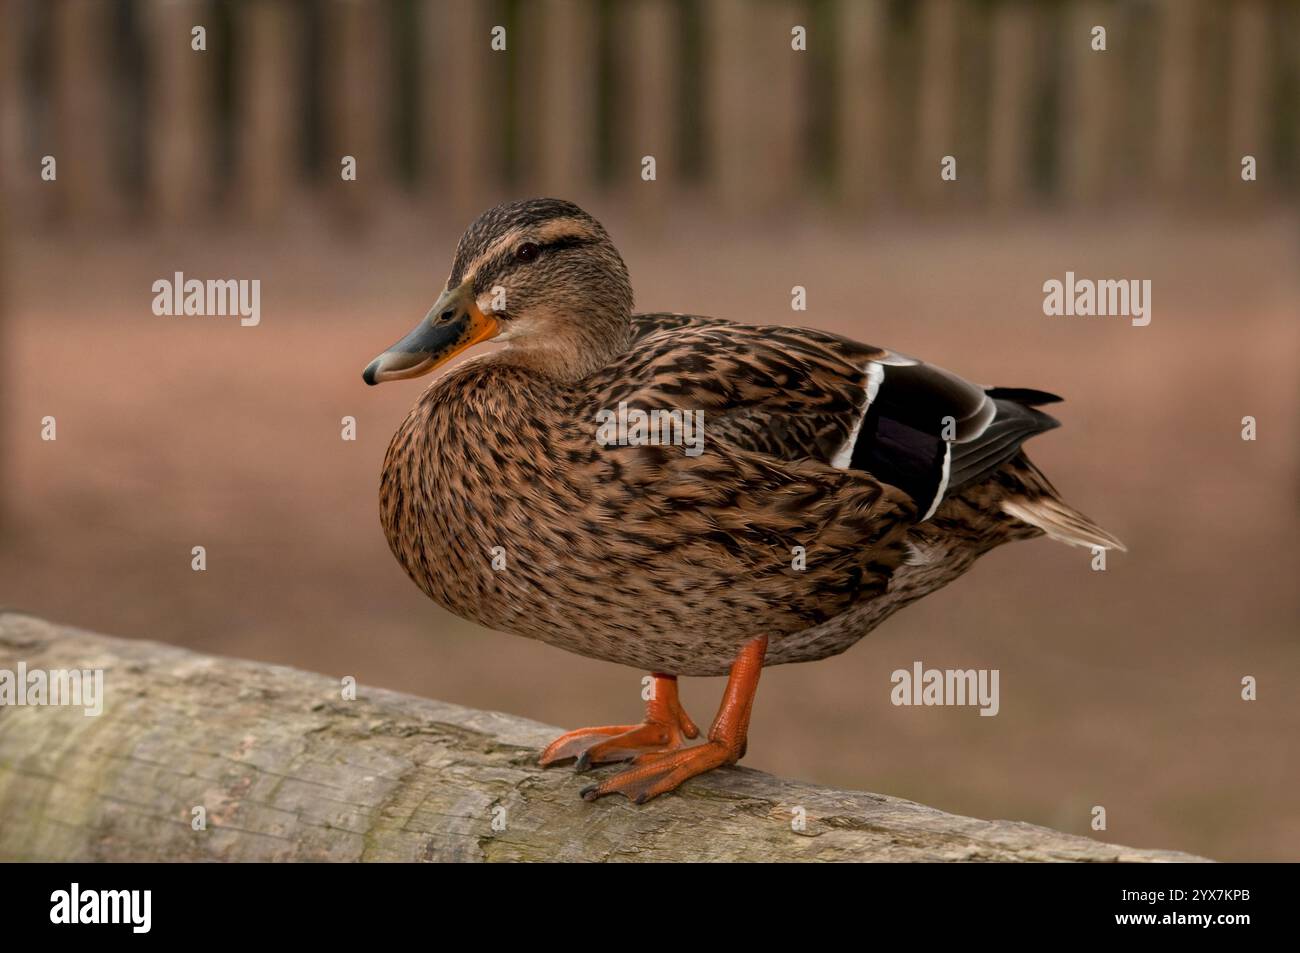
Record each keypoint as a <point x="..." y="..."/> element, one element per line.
<point x="837" y="482"/>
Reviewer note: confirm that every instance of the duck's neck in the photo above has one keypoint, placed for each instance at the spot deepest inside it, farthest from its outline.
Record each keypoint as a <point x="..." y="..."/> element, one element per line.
<point x="567" y="354"/>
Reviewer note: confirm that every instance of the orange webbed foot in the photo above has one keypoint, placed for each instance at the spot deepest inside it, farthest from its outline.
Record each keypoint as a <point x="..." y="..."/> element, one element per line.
<point x="574" y="744"/>
<point x="665" y="729"/>
<point x="661" y="771"/>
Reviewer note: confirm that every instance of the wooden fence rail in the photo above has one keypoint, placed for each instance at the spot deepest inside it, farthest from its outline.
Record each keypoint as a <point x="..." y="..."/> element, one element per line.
<point x="202" y="758"/>
<point x="455" y="102"/>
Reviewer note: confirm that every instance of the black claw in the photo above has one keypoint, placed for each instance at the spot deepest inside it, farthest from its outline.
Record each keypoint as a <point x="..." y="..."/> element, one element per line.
<point x="589" y="792"/>
<point x="640" y="799"/>
<point x="583" y="763"/>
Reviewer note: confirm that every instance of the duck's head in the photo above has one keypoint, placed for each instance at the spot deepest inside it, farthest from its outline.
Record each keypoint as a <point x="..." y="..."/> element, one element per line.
<point x="541" y="274"/>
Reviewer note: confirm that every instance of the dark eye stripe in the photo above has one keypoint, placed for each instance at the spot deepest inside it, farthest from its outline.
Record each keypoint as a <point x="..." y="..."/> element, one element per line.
<point x="567" y="241"/>
<point x="507" y="257"/>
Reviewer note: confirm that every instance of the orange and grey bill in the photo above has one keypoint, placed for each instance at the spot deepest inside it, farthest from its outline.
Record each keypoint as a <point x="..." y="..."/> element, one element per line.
<point x="453" y="324"/>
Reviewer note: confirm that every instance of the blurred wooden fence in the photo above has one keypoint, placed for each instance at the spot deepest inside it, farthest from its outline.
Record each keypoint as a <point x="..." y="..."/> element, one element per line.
<point x="143" y="126"/>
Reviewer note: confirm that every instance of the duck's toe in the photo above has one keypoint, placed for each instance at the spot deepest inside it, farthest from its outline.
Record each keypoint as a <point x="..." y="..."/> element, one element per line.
<point x="574" y="744"/>
<point x="593" y="746"/>
<point x="666" y="728"/>
<point x="659" y="772"/>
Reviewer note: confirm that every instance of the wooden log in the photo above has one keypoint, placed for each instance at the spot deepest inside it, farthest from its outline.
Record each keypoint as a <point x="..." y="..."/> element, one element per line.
<point x="284" y="768"/>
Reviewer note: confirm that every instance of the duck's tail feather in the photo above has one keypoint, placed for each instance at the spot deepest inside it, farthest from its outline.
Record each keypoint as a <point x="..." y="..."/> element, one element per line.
<point x="1023" y="395"/>
<point x="1036" y="502"/>
<point x="1061" y="521"/>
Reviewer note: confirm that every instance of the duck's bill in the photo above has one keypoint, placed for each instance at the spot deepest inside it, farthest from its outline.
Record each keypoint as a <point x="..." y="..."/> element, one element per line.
<point x="453" y="324"/>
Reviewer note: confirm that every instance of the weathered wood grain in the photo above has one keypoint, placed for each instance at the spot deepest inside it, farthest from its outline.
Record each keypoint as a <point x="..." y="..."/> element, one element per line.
<point x="286" y="769"/>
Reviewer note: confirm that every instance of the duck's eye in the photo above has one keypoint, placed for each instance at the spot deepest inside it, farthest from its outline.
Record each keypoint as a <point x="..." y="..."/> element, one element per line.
<point x="526" y="252"/>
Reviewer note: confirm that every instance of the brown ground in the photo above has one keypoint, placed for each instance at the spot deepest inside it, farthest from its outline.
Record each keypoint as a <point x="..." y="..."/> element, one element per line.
<point x="1118" y="688"/>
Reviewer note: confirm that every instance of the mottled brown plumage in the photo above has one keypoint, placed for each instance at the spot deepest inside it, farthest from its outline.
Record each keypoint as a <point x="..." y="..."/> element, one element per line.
<point x="502" y="506"/>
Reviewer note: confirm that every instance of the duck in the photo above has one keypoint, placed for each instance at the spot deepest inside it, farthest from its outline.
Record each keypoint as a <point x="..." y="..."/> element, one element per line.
<point x="549" y="487"/>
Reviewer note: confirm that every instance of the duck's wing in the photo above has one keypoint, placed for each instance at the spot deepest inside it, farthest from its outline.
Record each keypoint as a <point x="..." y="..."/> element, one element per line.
<point x="798" y="394"/>
<point x="723" y="368"/>
<point x="643" y="325"/>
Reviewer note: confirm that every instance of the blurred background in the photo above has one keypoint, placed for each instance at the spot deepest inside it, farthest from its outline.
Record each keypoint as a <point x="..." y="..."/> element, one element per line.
<point x="774" y="168"/>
